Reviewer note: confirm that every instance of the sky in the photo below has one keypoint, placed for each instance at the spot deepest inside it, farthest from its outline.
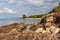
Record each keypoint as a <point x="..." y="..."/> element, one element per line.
<point x="27" y="7"/>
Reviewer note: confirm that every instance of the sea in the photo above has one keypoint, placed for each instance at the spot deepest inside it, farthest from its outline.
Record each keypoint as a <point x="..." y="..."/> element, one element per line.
<point x="7" y="21"/>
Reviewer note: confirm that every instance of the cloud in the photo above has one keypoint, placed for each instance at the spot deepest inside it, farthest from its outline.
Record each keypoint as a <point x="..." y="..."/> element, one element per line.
<point x="11" y="1"/>
<point x="17" y="2"/>
<point x="1" y="11"/>
<point x="36" y="2"/>
<point x="58" y="0"/>
<point x="28" y="7"/>
<point x="9" y="10"/>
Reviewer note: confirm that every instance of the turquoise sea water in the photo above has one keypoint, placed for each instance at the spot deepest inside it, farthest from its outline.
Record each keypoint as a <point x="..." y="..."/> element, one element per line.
<point x="7" y="21"/>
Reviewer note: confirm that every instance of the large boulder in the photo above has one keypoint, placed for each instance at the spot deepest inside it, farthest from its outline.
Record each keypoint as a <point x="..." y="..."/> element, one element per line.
<point x="49" y="21"/>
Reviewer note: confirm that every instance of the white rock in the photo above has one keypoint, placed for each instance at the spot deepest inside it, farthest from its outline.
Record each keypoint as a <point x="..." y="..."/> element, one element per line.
<point x="54" y="29"/>
<point x="39" y="30"/>
<point x="44" y="31"/>
<point x="48" y="30"/>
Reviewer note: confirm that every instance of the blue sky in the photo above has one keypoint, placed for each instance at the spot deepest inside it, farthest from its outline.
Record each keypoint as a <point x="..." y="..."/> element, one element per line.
<point x="28" y="7"/>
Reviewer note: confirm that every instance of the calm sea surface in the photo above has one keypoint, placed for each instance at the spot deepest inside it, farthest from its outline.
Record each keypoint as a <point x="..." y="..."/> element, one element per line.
<point x="17" y="20"/>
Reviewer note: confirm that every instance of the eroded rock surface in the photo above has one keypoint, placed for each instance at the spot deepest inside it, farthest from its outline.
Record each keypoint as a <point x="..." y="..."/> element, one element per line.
<point x="47" y="29"/>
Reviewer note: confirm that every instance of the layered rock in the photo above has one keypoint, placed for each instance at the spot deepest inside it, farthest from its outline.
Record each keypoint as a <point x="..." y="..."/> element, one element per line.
<point x="28" y="36"/>
<point x="46" y="29"/>
<point x="50" y="21"/>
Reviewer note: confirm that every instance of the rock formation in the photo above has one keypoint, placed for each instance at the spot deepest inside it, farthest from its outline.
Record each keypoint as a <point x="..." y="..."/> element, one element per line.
<point x="50" y="21"/>
<point x="47" y="29"/>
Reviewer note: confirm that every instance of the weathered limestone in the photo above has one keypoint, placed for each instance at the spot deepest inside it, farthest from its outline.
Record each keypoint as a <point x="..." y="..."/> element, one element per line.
<point x="54" y="29"/>
<point x="46" y="29"/>
<point x="48" y="24"/>
<point x="21" y="27"/>
<point x="40" y="30"/>
<point x="51" y="22"/>
<point x="50" y="19"/>
<point x="13" y="31"/>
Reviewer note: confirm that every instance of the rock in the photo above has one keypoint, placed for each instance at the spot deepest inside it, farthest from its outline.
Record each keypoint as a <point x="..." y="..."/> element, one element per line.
<point x="39" y="30"/>
<point x="53" y="17"/>
<point x="27" y="29"/>
<point x="50" y="19"/>
<point x="44" y="31"/>
<point x="21" y="27"/>
<point x="48" y="30"/>
<point x="35" y="26"/>
<point x="8" y="28"/>
<point x="54" y="29"/>
<point x="48" y="24"/>
<point x="13" y="31"/>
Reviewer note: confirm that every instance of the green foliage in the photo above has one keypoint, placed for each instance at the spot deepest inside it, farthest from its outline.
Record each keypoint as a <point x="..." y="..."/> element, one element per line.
<point x="24" y="16"/>
<point x="59" y="3"/>
<point x="36" y="16"/>
<point x="57" y="9"/>
<point x="33" y="16"/>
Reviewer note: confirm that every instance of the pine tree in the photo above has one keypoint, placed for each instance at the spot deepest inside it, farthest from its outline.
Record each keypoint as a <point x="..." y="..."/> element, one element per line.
<point x="59" y="3"/>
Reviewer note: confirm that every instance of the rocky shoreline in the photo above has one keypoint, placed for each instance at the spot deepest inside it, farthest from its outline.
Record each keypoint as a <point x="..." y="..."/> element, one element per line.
<point x="47" y="29"/>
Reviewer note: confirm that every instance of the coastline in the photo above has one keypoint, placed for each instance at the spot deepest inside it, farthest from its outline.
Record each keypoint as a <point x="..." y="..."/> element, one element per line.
<point x="33" y="18"/>
<point x="37" y="31"/>
<point x="47" y="27"/>
<point x="12" y="21"/>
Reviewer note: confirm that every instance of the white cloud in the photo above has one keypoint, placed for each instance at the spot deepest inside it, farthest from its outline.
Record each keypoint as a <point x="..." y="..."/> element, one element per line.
<point x="9" y="10"/>
<point x="11" y="1"/>
<point x="36" y="2"/>
<point x="17" y="2"/>
<point x="1" y="11"/>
